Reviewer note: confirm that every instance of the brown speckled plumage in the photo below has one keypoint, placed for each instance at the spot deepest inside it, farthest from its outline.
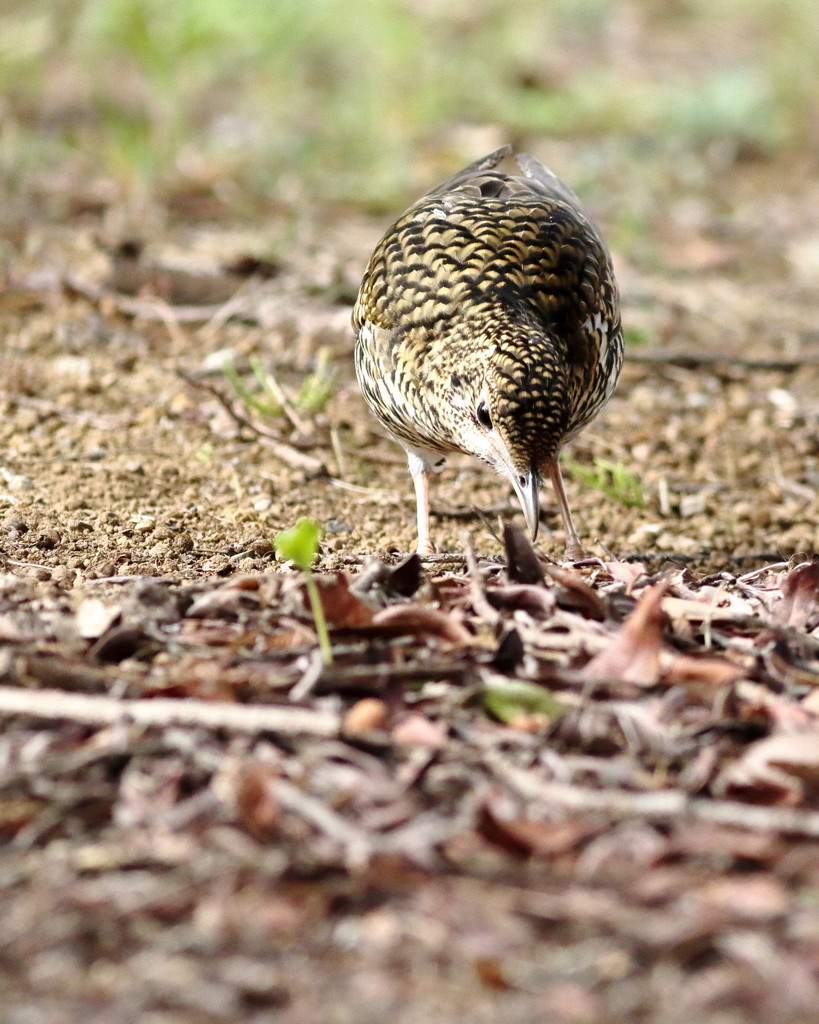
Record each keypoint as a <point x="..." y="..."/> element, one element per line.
<point x="488" y="323"/>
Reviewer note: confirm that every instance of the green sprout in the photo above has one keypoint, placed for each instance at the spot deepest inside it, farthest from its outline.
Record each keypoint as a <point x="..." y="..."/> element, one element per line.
<point x="299" y="545"/>
<point x="319" y="387"/>
<point x="611" y="478"/>
<point x="269" y="406"/>
<point x="269" y="399"/>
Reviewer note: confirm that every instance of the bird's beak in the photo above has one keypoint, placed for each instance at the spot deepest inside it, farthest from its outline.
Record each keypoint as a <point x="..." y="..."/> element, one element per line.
<point x="527" y="489"/>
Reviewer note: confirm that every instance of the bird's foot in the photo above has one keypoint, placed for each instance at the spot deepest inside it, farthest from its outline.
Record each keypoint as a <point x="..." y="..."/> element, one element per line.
<point x="573" y="553"/>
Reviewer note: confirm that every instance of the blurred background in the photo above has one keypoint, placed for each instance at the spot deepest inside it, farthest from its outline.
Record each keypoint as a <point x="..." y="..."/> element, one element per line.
<point x="236" y="102"/>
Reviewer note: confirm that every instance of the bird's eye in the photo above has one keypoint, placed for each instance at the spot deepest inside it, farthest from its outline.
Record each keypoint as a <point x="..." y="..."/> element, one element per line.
<point x="482" y="413"/>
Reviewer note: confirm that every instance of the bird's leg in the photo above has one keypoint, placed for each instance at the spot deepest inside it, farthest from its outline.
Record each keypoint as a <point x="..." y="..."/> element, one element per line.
<point x="420" y="481"/>
<point x="574" y="550"/>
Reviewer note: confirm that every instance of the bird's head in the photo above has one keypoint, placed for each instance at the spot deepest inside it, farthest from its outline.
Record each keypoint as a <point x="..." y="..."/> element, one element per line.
<point x="513" y="410"/>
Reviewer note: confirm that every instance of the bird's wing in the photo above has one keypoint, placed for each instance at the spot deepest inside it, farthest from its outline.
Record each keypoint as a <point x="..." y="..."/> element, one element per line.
<point x="473" y="172"/>
<point x="548" y="182"/>
<point x="481" y="180"/>
<point x="377" y="345"/>
<point x="396" y="393"/>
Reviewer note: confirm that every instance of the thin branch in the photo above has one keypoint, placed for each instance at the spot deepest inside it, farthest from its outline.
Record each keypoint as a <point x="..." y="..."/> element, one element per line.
<point x="696" y="360"/>
<point x="103" y="710"/>
<point x="480" y="603"/>
<point x="285" y="452"/>
<point x="376" y="678"/>
<point x="655" y="806"/>
<point x="356" y="842"/>
<point x="155" y="309"/>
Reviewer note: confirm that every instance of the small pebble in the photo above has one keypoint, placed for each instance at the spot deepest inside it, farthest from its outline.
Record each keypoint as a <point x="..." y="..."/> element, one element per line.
<point x="365" y="715"/>
<point x="337" y="526"/>
<point x="48" y="540"/>
<point x="15" y="527"/>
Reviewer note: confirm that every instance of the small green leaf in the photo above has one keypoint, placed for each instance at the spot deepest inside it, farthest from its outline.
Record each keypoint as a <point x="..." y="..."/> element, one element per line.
<point x="510" y="700"/>
<point x="300" y="543"/>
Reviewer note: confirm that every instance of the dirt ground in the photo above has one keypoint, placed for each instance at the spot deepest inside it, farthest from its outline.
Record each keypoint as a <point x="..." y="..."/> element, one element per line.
<point x="114" y="464"/>
<point x="425" y="860"/>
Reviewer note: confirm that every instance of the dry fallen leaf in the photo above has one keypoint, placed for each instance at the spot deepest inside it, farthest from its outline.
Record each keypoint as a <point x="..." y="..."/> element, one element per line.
<point x="754" y="898"/>
<point x="342" y="608"/>
<point x="799" y="606"/>
<point x="633" y="656"/>
<point x="625" y="572"/>
<point x="522" y="562"/>
<point x="94" y="617"/>
<point x="491" y="972"/>
<point x="523" y="837"/>
<point x="418" y="731"/>
<point x="11" y="630"/>
<point x="575" y="594"/>
<point x="687" y="670"/>
<point x="223" y="603"/>
<point x="535" y="600"/>
<point x="419" y="620"/>
<point x="697" y="610"/>
<point x="256" y="802"/>
<point x="811" y="702"/>
<point x="783" y="768"/>
<point x="246" y="582"/>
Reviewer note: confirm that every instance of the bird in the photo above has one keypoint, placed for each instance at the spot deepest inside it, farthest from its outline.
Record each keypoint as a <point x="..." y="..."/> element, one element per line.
<point x="488" y="323"/>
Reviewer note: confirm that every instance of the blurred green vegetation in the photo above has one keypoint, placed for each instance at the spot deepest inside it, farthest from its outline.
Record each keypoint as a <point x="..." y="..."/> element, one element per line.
<point x="361" y="101"/>
<point x="610" y="478"/>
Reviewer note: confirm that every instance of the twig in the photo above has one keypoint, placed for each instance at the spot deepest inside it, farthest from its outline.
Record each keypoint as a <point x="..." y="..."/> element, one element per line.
<point x="29" y="565"/>
<point x="268" y="380"/>
<point x="444" y="558"/>
<point x="358" y="845"/>
<point x="483" y="609"/>
<point x="338" y="452"/>
<point x="376" y="678"/>
<point x="152" y="309"/>
<point x="655" y="806"/>
<point x="319" y="618"/>
<point x="695" y="360"/>
<point x="103" y="710"/>
<point x="311" y="675"/>
<point x="236" y="305"/>
<point x="773" y="567"/>
<point x="283" y="451"/>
